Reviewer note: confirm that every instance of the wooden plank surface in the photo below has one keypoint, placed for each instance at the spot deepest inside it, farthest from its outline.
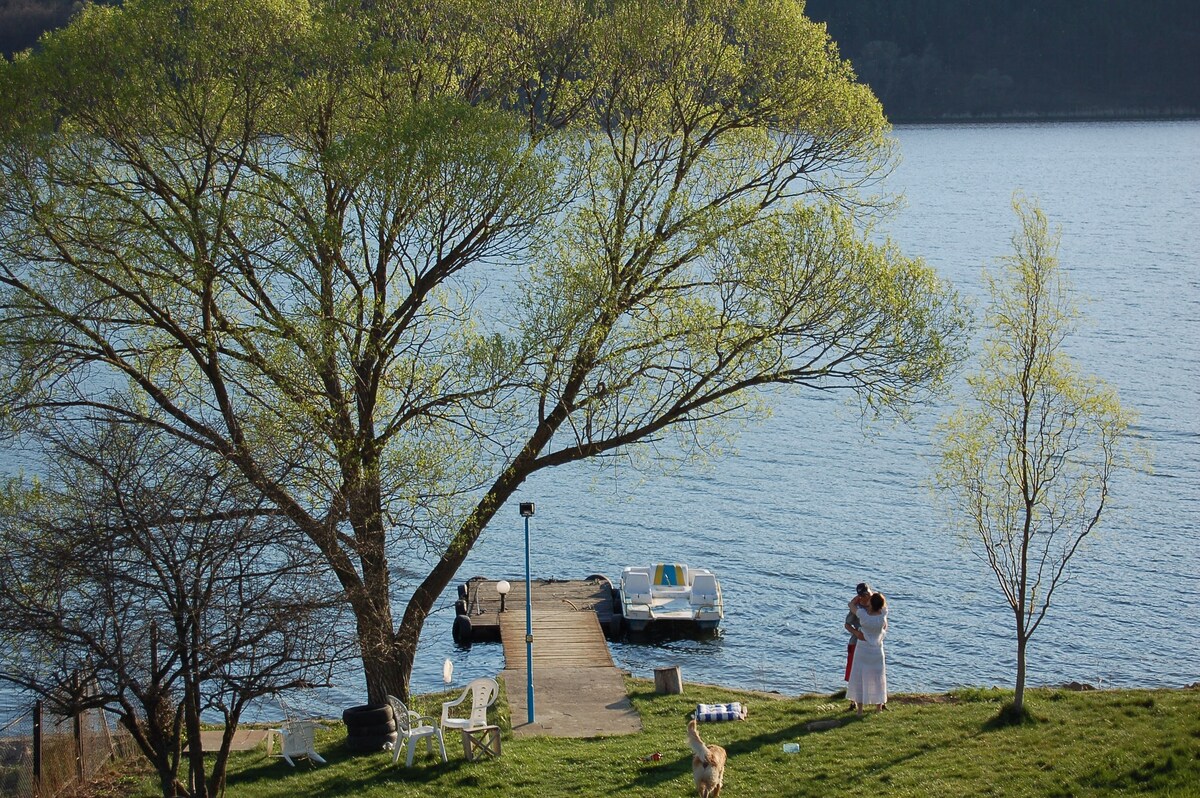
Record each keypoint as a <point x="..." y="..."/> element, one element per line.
<point x="565" y="634"/>
<point x="578" y="690"/>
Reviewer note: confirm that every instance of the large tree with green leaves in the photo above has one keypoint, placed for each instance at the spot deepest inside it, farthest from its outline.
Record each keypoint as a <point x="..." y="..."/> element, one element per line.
<point x="1027" y="465"/>
<point x="390" y="259"/>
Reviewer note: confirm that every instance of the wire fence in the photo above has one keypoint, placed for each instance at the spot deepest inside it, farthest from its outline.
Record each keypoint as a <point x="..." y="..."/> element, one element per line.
<point x="42" y="753"/>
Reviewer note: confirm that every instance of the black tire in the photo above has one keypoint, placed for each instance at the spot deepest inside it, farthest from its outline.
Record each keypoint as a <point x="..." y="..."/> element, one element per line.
<point x="367" y="715"/>
<point x="618" y="605"/>
<point x="460" y="607"/>
<point x="462" y="630"/>
<point x="462" y="592"/>
<point x="376" y="730"/>
<point x="378" y="742"/>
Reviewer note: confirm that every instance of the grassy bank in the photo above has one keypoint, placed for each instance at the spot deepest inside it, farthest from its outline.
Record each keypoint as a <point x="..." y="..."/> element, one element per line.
<point x="1112" y="742"/>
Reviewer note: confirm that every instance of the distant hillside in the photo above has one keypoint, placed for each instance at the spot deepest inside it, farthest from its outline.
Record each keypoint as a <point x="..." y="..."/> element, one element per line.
<point x="937" y="59"/>
<point x="22" y="21"/>
<point x="947" y="59"/>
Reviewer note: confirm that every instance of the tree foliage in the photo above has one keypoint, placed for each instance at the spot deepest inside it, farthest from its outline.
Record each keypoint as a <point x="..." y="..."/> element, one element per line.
<point x="388" y="260"/>
<point x="1027" y="465"/>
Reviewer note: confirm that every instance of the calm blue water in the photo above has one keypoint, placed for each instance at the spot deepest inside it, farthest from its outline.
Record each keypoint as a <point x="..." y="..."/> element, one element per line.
<point x="810" y="502"/>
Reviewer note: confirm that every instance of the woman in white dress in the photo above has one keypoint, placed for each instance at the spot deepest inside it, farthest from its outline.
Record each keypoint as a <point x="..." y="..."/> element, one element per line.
<point x="868" y="673"/>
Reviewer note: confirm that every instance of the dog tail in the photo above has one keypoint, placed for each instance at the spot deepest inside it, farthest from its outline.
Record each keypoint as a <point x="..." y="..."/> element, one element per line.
<point x="698" y="746"/>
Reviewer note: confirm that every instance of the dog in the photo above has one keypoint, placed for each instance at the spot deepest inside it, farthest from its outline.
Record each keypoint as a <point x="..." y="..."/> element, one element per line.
<point x="708" y="764"/>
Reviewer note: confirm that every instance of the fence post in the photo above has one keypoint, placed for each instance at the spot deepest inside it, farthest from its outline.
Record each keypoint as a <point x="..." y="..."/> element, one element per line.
<point x="78" y="728"/>
<point x="37" y="747"/>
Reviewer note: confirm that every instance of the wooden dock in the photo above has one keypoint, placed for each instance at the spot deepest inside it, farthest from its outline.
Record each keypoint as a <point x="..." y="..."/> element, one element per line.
<point x="578" y="692"/>
<point x="566" y="629"/>
<point x="480" y="602"/>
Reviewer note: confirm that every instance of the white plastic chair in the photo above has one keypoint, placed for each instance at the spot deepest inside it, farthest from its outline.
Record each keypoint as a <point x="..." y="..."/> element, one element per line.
<point x="483" y="693"/>
<point x="411" y="727"/>
<point x="297" y="739"/>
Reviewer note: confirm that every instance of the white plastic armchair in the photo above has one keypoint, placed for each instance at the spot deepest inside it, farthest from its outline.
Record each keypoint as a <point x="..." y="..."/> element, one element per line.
<point x="411" y="727"/>
<point x="483" y="693"/>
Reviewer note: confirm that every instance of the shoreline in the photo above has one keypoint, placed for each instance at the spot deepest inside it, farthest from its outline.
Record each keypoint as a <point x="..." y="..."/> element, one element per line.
<point x="1028" y="117"/>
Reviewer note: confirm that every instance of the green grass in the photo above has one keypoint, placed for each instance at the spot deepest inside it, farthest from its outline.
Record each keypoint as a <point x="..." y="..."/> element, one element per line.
<point x="1139" y="742"/>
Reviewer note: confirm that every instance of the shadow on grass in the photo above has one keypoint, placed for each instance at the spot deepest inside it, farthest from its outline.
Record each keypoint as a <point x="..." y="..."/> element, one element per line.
<point x="1009" y="716"/>
<point x="1159" y="773"/>
<point x="357" y="774"/>
<point x="667" y="770"/>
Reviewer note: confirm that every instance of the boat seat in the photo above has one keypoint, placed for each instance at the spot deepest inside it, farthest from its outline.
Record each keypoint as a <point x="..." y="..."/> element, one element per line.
<point x="637" y="588"/>
<point x="670" y="575"/>
<point x="704" y="589"/>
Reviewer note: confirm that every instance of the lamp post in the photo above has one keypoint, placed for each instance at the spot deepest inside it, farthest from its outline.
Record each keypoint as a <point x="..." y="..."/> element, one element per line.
<point x="502" y="587"/>
<point x="527" y="513"/>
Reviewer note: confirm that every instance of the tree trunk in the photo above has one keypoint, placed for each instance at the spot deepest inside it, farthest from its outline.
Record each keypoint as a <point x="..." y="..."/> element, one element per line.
<point x="216" y="778"/>
<point x="1019" y="693"/>
<point x="388" y="653"/>
<point x="386" y="670"/>
<point x="387" y="673"/>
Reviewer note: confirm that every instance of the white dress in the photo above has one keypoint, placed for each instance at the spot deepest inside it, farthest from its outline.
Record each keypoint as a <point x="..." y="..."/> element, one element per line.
<point x="868" y="674"/>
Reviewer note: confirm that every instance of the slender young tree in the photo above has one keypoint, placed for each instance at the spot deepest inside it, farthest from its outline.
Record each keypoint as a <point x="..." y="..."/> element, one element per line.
<point x="1026" y="466"/>
<point x="389" y="259"/>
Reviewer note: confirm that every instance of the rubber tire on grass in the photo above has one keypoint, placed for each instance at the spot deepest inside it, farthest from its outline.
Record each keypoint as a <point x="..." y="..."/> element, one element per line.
<point x="367" y="715"/>
<point x="369" y="727"/>
<point x="377" y="730"/>
<point x="378" y="742"/>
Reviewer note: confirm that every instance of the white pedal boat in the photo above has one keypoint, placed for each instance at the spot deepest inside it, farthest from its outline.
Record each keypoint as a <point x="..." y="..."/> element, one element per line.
<point x="670" y="593"/>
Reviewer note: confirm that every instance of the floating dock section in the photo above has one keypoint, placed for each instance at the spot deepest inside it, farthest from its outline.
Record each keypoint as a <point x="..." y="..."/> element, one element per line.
<point x="478" y="609"/>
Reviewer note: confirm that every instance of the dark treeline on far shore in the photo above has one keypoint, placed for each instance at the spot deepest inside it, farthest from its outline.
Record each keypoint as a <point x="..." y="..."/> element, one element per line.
<point x="956" y="59"/>
<point x="961" y="59"/>
<point x="23" y="21"/>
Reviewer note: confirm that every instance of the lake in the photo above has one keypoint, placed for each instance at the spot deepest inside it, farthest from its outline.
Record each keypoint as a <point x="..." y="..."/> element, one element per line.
<point x="811" y="501"/>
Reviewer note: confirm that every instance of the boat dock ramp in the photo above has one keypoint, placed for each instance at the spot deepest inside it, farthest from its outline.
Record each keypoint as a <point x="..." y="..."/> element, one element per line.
<point x="578" y="691"/>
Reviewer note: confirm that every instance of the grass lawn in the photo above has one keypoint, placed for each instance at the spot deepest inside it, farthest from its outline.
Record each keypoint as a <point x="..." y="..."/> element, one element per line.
<point x="1111" y="742"/>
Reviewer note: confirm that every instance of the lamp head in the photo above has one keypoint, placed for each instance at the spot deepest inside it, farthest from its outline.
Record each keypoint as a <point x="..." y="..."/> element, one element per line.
<point x="502" y="587"/>
<point x="526" y="509"/>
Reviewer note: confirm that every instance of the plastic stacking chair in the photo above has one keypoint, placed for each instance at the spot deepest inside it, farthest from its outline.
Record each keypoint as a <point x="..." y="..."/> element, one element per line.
<point x="483" y="693"/>
<point x="411" y="727"/>
<point x="479" y="738"/>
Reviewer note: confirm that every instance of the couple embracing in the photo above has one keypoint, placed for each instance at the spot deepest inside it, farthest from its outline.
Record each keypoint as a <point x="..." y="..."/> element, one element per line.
<point x="866" y="673"/>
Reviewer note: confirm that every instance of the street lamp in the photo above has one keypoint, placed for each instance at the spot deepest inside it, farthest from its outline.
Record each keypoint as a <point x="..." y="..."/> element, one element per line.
<point x="502" y="587"/>
<point x="527" y="513"/>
